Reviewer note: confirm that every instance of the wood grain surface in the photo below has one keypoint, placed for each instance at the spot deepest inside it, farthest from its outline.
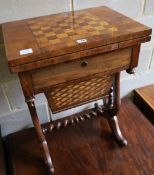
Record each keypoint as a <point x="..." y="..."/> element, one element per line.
<point x="89" y="149"/>
<point x="147" y="94"/>
<point x="64" y="72"/>
<point x="56" y="35"/>
<point x="143" y="98"/>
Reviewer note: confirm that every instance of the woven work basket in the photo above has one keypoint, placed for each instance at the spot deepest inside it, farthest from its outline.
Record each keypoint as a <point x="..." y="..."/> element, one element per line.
<point x="78" y="93"/>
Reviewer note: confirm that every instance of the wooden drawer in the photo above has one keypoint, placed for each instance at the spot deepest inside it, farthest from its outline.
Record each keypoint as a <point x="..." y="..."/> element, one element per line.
<point x="64" y="72"/>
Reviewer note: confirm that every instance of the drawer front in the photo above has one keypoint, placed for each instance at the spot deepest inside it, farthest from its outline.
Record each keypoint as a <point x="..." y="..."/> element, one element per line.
<point x="64" y="72"/>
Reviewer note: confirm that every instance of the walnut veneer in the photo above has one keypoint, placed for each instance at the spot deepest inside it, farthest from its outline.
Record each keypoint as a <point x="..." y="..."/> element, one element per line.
<point x="74" y="58"/>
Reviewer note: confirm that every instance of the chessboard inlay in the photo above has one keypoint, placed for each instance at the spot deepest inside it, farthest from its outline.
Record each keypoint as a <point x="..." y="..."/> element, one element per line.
<point x="67" y="28"/>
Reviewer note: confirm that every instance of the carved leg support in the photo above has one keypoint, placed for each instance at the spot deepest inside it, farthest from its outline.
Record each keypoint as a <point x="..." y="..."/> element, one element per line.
<point x="41" y="137"/>
<point x="25" y="79"/>
<point x="113" y="109"/>
<point x="113" y="122"/>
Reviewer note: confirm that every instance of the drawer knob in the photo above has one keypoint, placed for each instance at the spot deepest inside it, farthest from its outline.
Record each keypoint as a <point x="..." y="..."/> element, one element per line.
<point x="84" y="64"/>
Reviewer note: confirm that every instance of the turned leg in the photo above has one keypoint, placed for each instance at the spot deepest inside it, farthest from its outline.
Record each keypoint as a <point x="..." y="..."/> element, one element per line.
<point x="25" y="79"/>
<point x="113" y="109"/>
<point x="40" y="135"/>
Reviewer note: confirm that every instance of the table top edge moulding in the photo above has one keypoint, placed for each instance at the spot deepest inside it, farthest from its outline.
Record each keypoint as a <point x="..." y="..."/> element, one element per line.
<point x="74" y="58"/>
<point x="43" y="37"/>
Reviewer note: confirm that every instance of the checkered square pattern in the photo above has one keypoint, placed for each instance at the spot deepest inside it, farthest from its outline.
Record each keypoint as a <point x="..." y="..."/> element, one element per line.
<point x="66" y="29"/>
<point x="67" y="96"/>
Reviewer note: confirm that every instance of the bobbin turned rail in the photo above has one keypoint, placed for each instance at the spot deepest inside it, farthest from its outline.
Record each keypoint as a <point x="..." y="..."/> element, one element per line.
<point x="75" y="119"/>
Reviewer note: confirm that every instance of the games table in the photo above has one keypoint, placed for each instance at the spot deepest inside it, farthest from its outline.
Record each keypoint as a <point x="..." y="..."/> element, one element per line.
<point x="74" y="58"/>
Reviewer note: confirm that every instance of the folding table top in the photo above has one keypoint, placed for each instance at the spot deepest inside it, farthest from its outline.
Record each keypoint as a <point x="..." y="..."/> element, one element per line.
<point x="40" y="38"/>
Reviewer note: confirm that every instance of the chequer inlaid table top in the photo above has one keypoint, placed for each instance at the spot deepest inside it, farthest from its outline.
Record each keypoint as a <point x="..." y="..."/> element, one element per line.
<point x="60" y="34"/>
<point x="66" y="29"/>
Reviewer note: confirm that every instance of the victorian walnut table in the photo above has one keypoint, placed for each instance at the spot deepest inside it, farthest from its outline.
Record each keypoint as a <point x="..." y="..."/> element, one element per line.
<point x="74" y="58"/>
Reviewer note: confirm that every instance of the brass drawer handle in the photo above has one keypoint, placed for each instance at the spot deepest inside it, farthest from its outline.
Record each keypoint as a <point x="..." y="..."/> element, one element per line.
<point x="84" y="64"/>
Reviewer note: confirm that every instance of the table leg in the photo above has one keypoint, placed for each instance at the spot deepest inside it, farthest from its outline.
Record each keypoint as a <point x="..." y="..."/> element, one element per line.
<point x="28" y="92"/>
<point x="113" y="108"/>
<point x="113" y="122"/>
